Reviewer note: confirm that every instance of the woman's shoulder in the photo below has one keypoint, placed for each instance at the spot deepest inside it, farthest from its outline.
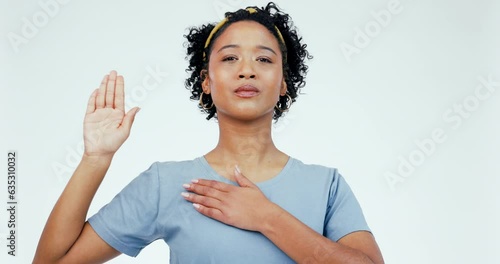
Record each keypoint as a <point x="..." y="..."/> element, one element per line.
<point x="175" y="163"/>
<point x="315" y="168"/>
<point x="304" y="173"/>
<point x="168" y="173"/>
<point x="176" y="167"/>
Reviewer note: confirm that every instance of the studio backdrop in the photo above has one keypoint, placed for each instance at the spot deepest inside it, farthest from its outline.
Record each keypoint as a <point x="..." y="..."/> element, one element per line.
<point x="402" y="96"/>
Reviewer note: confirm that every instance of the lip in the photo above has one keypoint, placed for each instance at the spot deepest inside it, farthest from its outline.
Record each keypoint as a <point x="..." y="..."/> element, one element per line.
<point x="246" y="91"/>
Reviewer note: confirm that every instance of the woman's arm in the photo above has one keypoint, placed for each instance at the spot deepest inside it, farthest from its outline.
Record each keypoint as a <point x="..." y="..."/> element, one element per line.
<point x="304" y="245"/>
<point x="67" y="238"/>
<point x="64" y="238"/>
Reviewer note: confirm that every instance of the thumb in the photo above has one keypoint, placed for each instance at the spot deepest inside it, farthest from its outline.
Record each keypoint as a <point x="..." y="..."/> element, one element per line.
<point x="129" y="118"/>
<point x="241" y="179"/>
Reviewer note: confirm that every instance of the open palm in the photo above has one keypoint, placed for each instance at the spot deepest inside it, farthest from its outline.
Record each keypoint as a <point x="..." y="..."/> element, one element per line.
<point x="106" y="126"/>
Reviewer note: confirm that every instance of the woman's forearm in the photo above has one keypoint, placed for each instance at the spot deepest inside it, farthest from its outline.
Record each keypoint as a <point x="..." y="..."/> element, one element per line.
<point x="68" y="217"/>
<point x="304" y="245"/>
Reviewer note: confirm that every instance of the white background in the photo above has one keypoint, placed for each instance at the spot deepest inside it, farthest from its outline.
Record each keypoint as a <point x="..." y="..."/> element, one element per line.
<point x="361" y="116"/>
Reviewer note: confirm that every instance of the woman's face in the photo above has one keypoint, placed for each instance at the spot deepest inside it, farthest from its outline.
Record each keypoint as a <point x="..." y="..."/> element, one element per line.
<point x="245" y="72"/>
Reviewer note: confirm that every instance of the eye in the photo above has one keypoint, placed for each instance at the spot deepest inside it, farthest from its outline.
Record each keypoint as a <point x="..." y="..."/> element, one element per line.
<point x="264" y="59"/>
<point x="229" y="58"/>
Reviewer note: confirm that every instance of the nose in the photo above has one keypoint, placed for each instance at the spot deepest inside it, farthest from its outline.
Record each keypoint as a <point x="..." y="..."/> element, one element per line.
<point x="243" y="76"/>
<point x="246" y="71"/>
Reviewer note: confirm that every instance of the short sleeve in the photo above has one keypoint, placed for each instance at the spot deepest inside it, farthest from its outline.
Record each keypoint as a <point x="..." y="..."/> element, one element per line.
<point x="344" y="214"/>
<point x="128" y="222"/>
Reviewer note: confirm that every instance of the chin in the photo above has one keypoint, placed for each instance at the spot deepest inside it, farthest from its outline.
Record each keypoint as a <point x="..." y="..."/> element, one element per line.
<point x="249" y="114"/>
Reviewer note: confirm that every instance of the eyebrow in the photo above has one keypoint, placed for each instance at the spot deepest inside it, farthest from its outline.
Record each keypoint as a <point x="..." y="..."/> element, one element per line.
<point x="237" y="46"/>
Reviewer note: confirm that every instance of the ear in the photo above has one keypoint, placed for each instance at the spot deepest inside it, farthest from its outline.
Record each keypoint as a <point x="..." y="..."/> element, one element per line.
<point x="283" y="88"/>
<point x="205" y="81"/>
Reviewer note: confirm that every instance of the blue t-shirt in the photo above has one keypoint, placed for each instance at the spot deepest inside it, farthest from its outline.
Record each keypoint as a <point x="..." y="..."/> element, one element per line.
<point x="151" y="207"/>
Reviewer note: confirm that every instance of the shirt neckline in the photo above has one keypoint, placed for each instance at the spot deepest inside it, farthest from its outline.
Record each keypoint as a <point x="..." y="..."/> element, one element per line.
<point x="214" y="175"/>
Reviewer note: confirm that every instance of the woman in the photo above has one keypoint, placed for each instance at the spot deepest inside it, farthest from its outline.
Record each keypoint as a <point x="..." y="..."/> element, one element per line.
<point x="243" y="202"/>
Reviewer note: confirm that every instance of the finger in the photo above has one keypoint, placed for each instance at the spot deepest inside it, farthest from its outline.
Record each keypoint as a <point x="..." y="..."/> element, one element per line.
<point x="101" y="93"/>
<point x="110" y="90"/>
<point x="129" y="118"/>
<point x="119" y="93"/>
<point x="210" y="212"/>
<point x="91" y="103"/>
<point x="241" y="179"/>
<point x="203" y="200"/>
<point x="223" y="187"/>
<point x="203" y="190"/>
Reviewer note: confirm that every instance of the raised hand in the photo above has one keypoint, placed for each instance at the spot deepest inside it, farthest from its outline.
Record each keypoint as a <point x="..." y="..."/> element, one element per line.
<point x="106" y="126"/>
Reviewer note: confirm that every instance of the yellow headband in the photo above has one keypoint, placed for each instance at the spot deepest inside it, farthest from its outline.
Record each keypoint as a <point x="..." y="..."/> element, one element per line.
<point x="218" y="26"/>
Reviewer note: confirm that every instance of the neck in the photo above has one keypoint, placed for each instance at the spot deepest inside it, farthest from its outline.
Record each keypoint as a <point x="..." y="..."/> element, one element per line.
<point x="246" y="144"/>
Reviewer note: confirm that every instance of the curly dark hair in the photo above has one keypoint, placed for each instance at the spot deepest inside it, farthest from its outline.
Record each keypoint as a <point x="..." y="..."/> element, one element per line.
<point x="293" y="53"/>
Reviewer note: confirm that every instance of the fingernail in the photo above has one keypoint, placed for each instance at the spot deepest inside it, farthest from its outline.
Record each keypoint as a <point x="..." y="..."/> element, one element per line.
<point x="138" y="109"/>
<point x="237" y="169"/>
<point x="185" y="185"/>
<point x="197" y="206"/>
<point x="194" y="180"/>
<point x="185" y="194"/>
